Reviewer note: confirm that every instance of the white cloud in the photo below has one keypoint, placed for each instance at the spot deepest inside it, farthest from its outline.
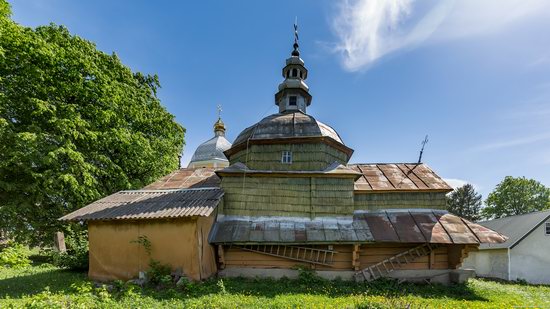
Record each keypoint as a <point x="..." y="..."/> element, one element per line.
<point x="514" y="142"/>
<point x="457" y="183"/>
<point x="367" y="30"/>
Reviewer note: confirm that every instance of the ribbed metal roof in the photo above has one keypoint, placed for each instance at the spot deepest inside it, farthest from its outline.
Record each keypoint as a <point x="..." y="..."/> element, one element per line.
<point x="398" y="177"/>
<point x="150" y="204"/>
<point x="187" y="178"/>
<point x="398" y="226"/>
<point x="211" y="150"/>
<point x="289" y="124"/>
<point x="515" y="227"/>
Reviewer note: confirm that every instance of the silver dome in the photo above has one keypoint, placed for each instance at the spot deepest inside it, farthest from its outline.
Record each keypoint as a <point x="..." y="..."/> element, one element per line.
<point x="212" y="150"/>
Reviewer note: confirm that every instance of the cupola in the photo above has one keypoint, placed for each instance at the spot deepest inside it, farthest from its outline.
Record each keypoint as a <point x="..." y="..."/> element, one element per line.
<point x="293" y="94"/>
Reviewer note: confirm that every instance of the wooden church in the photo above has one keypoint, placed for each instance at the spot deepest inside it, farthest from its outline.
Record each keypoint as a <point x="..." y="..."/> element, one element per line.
<point x="282" y="196"/>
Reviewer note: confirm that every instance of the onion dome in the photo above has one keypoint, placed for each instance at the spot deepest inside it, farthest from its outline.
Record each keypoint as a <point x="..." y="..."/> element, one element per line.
<point x="210" y="153"/>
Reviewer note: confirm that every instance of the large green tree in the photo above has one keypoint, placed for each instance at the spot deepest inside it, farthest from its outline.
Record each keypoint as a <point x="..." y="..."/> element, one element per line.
<point x="465" y="202"/>
<point x="75" y="125"/>
<point x="516" y="196"/>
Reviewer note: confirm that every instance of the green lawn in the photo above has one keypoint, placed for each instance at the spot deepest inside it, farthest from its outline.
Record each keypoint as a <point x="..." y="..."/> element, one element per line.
<point x="44" y="286"/>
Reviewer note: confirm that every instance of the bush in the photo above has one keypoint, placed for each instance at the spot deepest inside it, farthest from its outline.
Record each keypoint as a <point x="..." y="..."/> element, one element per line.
<point x="159" y="274"/>
<point x="15" y="255"/>
<point x="76" y="257"/>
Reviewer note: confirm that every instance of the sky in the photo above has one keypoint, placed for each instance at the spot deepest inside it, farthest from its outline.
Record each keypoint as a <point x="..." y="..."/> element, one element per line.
<point x="472" y="75"/>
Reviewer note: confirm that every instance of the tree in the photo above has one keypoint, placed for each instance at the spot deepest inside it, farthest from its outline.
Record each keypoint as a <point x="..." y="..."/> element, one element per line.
<point x="75" y="125"/>
<point x="516" y="196"/>
<point x="465" y="202"/>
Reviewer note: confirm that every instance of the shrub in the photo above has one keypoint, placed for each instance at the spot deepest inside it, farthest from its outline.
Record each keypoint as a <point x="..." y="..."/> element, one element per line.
<point x="158" y="273"/>
<point x="76" y="257"/>
<point x="15" y="255"/>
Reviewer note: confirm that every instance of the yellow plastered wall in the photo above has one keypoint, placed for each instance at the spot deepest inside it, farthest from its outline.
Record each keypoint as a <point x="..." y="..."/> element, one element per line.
<point x="177" y="242"/>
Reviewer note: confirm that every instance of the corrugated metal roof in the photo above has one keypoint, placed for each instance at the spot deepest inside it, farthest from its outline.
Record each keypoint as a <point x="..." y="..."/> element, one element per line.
<point x="401" y="226"/>
<point x="398" y="177"/>
<point x="515" y="227"/>
<point x="150" y="204"/>
<point x="187" y="178"/>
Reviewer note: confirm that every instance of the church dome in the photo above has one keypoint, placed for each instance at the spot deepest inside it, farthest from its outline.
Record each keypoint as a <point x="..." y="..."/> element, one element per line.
<point x="210" y="153"/>
<point x="290" y="124"/>
<point x="211" y="150"/>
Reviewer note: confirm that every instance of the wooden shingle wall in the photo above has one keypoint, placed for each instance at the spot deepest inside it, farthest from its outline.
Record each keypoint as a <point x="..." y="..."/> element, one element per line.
<point x="399" y="200"/>
<point x="305" y="157"/>
<point x="294" y="196"/>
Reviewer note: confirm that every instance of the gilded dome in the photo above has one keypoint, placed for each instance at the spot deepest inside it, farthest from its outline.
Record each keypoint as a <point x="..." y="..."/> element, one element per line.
<point x="290" y="124"/>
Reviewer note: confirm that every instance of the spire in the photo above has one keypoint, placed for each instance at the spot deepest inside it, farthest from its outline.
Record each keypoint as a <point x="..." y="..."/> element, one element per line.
<point x="293" y="92"/>
<point x="296" y="51"/>
<point x="219" y="126"/>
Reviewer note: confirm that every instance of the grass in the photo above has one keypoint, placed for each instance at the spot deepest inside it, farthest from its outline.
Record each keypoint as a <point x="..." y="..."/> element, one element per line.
<point x="45" y="286"/>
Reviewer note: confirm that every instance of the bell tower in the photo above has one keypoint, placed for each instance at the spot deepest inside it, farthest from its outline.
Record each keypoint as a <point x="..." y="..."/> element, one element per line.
<point x="293" y="94"/>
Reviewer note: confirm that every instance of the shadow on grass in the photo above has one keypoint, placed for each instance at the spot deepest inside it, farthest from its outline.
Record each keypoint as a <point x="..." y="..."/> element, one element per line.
<point x="36" y="279"/>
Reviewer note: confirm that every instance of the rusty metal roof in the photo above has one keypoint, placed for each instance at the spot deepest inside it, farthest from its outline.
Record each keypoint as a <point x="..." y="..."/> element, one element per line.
<point x="397" y="226"/>
<point x="187" y="178"/>
<point x="150" y="204"/>
<point x="398" y="177"/>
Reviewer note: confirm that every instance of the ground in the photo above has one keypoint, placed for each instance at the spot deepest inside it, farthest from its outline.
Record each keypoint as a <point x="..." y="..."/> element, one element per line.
<point x="45" y="286"/>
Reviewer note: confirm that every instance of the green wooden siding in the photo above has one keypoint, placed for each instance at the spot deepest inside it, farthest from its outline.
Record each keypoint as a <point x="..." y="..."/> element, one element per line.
<point x="305" y="157"/>
<point x="403" y="200"/>
<point x="279" y="196"/>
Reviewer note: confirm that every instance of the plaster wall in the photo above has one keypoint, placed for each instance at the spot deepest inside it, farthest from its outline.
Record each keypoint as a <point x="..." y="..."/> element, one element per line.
<point x="530" y="259"/>
<point x="488" y="263"/>
<point x="180" y="243"/>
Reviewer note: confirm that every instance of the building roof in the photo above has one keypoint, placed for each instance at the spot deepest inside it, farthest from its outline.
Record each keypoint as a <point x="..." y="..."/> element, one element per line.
<point x="150" y="204"/>
<point x="212" y="149"/>
<point x="398" y="177"/>
<point x="397" y="226"/>
<point x="187" y="178"/>
<point x="516" y="228"/>
<point x="292" y="124"/>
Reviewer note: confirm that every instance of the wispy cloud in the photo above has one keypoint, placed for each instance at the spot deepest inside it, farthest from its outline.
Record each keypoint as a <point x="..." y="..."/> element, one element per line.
<point x="367" y="30"/>
<point x="514" y="142"/>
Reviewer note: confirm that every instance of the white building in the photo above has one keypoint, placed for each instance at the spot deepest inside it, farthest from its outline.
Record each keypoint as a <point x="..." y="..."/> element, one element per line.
<point x="524" y="256"/>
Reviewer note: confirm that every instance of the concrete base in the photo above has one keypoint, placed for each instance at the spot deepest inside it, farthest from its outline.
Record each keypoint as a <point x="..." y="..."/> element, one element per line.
<point x="442" y="276"/>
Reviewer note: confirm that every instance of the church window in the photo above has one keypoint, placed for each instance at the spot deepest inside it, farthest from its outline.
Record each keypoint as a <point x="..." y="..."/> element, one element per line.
<point x="294" y="72"/>
<point x="292" y="100"/>
<point x="301" y="74"/>
<point x="286" y="157"/>
<point x="547" y="228"/>
<point x="288" y="74"/>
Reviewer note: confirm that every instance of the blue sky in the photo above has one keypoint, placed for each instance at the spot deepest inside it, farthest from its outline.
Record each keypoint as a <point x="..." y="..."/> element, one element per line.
<point x="473" y="75"/>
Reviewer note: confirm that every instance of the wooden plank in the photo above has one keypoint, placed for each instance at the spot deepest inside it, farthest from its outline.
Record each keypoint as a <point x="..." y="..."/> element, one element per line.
<point x="221" y="256"/>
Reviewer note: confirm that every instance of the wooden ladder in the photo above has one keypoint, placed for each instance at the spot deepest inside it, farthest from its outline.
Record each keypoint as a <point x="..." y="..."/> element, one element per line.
<point x="383" y="268"/>
<point x="302" y="254"/>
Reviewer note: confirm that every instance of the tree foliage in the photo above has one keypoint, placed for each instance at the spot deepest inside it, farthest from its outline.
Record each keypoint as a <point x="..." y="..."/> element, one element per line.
<point x="75" y="125"/>
<point x="465" y="202"/>
<point x="516" y="196"/>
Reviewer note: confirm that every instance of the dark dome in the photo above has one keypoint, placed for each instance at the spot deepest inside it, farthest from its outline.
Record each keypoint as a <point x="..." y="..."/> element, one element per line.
<point x="287" y="125"/>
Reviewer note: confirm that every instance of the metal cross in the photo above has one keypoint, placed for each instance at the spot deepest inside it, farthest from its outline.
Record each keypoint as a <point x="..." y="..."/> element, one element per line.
<point x="296" y="30"/>
<point x="219" y="110"/>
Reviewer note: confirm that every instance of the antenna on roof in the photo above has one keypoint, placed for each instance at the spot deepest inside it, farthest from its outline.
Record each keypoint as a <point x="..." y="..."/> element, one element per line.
<point x="424" y="142"/>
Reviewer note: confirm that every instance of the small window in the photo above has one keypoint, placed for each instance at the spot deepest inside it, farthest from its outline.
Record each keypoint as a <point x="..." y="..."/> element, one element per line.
<point x="547" y="228"/>
<point x="294" y="72"/>
<point x="292" y="100"/>
<point x="287" y="74"/>
<point x="286" y="157"/>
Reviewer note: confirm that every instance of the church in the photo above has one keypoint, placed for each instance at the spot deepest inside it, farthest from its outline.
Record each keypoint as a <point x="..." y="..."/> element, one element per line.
<point x="284" y="196"/>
